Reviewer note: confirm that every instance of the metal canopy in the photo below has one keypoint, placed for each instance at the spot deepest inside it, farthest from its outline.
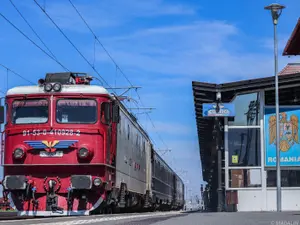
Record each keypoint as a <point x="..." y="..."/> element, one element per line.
<point x="206" y="93"/>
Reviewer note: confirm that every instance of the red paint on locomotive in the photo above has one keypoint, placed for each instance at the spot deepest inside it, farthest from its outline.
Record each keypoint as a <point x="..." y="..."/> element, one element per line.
<point x="45" y="154"/>
<point x="60" y="155"/>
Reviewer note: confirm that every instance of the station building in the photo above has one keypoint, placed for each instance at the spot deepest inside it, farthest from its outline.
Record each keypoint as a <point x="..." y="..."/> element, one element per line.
<point x="238" y="154"/>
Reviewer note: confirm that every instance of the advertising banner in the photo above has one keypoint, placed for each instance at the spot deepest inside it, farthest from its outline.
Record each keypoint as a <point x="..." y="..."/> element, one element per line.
<point x="289" y="136"/>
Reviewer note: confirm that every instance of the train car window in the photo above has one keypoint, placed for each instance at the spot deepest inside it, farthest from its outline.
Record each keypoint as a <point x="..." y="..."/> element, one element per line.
<point x="122" y="126"/>
<point x="30" y="111"/>
<point x="125" y="128"/>
<point x="78" y="111"/>
<point x="115" y="113"/>
<point x="128" y="131"/>
<point x="143" y="149"/>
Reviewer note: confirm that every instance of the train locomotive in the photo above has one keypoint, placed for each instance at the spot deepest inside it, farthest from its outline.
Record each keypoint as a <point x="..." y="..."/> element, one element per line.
<point x="72" y="148"/>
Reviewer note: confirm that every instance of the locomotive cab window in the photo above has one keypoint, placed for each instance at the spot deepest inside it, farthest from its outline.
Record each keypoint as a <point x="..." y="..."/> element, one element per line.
<point x="79" y="111"/>
<point x="30" y="111"/>
<point x="105" y="112"/>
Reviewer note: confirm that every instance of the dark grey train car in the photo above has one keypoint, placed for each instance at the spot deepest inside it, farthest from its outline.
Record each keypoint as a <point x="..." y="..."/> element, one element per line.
<point x="179" y="200"/>
<point x="167" y="187"/>
<point x="162" y="181"/>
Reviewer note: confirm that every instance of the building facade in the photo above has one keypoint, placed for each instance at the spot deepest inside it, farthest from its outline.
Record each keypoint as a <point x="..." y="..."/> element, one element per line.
<point x="238" y="154"/>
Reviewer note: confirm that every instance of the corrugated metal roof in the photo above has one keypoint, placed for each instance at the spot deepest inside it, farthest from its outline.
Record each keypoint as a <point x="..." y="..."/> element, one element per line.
<point x="290" y="68"/>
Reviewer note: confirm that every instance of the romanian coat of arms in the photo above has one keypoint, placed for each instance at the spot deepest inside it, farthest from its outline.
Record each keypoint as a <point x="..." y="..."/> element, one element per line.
<point x="288" y="131"/>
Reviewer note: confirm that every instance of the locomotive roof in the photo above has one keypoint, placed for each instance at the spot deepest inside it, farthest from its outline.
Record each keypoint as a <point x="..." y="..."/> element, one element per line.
<point x="84" y="89"/>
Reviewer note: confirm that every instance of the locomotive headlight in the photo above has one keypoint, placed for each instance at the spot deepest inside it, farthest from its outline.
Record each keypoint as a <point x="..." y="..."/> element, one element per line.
<point x="18" y="153"/>
<point x="97" y="182"/>
<point x="57" y="87"/>
<point x="83" y="153"/>
<point x="48" y="87"/>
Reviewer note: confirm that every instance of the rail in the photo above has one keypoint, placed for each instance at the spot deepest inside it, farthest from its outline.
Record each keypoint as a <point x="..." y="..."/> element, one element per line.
<point x="8" y="215"/>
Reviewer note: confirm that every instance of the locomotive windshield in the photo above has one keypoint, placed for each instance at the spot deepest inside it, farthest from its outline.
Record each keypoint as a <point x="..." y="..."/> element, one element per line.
<point x="76" y="111"/>
<point x="30" y="111"/>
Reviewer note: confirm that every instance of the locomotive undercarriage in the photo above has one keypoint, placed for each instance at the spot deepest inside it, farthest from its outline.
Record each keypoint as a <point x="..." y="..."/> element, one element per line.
<point x="114" y="201"/>
<point x="53" y="195"/>
<point x="119" y="200"/>
<point x="57" y="198"/>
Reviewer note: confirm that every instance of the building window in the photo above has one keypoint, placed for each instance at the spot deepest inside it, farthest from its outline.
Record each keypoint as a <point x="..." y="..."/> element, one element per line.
<point x="288" y="96"/>
<point x="289" y="178"/>
<point x="244" y="178"/>
<point x="246" y="110"/>
<point x="244" y="147"/>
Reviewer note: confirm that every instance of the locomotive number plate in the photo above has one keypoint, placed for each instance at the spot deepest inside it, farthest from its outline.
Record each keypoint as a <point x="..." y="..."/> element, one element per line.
<point x="59" y="132"/>
<point x="51" y="154"/>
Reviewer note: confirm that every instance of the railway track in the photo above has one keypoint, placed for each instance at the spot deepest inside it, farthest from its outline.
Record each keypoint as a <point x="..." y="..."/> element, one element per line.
<point x="11" y="216"/>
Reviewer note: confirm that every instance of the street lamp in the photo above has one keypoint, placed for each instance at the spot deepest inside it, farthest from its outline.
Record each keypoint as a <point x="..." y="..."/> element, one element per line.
<point x="276" y="10"/>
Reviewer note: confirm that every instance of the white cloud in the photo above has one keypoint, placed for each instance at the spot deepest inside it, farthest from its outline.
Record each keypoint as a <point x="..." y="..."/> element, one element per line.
<point x="111" y="13"/>
<point x="203" y="50"/>
<point x="209" y="51"/>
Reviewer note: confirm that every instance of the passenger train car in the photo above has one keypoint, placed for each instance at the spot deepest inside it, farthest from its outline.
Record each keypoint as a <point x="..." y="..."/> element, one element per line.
<point x="167" y="187"/>
<point x="72" y="148"/>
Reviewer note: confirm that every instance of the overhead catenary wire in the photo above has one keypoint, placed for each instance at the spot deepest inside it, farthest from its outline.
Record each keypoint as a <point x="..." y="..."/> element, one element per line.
<point x="102" y="80"/>
<point x="96" y="38"/>
<point x="26" y="21"/>
<point x="152" y="123"/>
<point x="17" y="74"/>
<point x="19" y="30"/>
<point x="112" y="59"/>
<point x="53" y="57"/>
<point x="68" y="39"/>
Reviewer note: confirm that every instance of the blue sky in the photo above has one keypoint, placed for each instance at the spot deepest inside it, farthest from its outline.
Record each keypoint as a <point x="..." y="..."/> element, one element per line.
<point x="161" y="45"/>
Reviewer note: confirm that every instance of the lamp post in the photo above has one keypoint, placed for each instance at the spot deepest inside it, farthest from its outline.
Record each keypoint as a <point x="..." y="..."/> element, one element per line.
<point x="276" y="10"/>
<point x="219" y="150"/>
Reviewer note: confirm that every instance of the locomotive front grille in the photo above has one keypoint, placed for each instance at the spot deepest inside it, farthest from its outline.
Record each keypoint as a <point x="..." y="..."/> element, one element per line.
<point x="81" y="181"/>
<point x="16" y="182"/>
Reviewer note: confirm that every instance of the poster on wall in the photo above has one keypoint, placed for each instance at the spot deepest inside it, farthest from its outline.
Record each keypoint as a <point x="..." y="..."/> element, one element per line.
<point x="288" y="135"/>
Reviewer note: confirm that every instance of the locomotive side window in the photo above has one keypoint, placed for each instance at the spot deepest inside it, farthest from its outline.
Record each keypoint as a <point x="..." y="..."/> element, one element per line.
<point x="30" y="111"/>
<point x="7" y="117"/>
<point x="115" y="113"/>
<point x="137" y="140"/>
<point x="76" y="111"/>
<point x="105" y="112"/>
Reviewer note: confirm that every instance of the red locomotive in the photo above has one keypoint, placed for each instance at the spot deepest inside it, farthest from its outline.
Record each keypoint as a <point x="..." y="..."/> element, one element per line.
<point x="72" y="148"/>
